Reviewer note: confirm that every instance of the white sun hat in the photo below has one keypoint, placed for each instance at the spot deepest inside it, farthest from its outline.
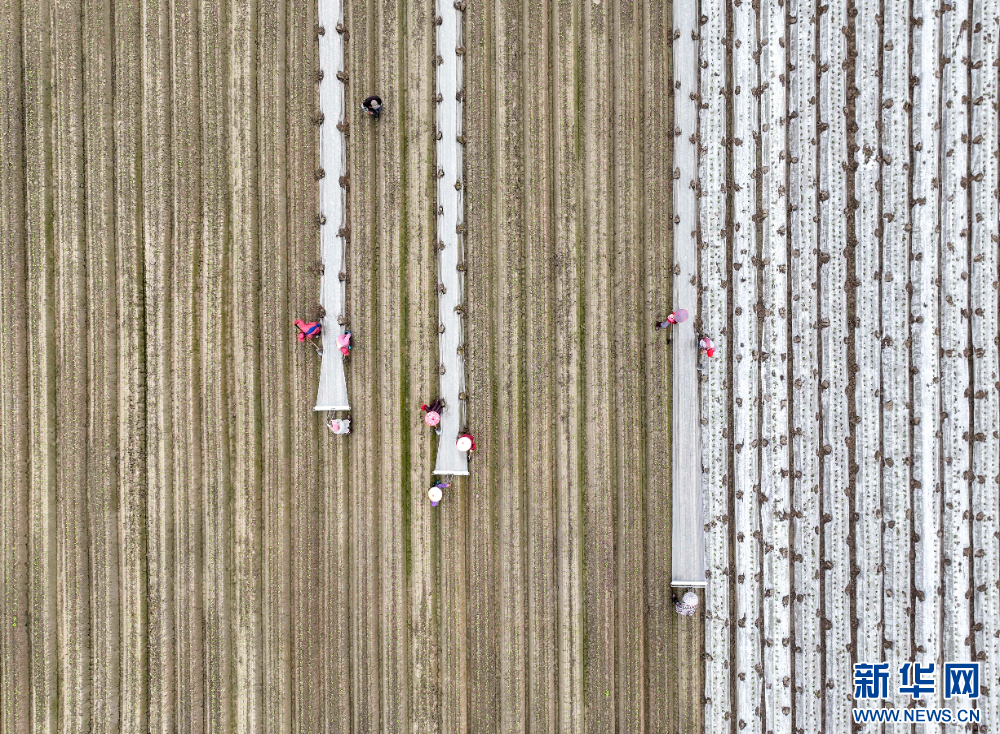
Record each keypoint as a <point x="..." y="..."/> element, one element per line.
<point x="691" y="599"/>
<point x="435" y="493"/>
<point x="464" y="443"/>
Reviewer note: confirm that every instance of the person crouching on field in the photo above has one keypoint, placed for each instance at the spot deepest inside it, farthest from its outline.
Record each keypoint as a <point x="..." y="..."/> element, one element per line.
<point x="677" y="317"/>
<point x="466" y="444"/>
<point x="344" y="342"/>
<point x="308" y="331"/>
<point x="339" y="427"/>
<point x="433" y="411"/>
<point x="372" y="105"/>
<point x="687" y="605"/>
<point x="436" y="492"/>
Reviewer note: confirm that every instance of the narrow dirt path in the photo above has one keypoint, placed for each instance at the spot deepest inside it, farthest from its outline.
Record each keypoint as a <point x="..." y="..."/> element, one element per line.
<point x="187" y="348"/>
<point x="245" y="336"/>
<point x="391" y="361"/>
<point x="483" y="606"/>
<point x="215" y="370"/>
<point x="276" y="406"/>
<point x="598" y="567"/>
<point x="541" y="561"/>
<point x="15" y="664"/>
<point x="654" y="155"/>
<point x="418" y="321"/>
<point x="157" y="236"/>
<point x="70" y="265"/>
<point x="364" y="385"/>
<point x="627" y="327"/>
<point x="505" y="320"/>
<point x="45" y="654"/>
<point x="103" y="368"/>
<point x="134" y="705"/>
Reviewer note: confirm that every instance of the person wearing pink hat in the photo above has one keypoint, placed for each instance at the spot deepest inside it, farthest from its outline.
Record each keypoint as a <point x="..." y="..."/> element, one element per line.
<point x="308" y="331"/>
<point x="339" y="427"/>
<point x="706" y="347"/>
<point x="344" y="342"/>
<point x="433" y="411"/>
<point x="677" y="317"/>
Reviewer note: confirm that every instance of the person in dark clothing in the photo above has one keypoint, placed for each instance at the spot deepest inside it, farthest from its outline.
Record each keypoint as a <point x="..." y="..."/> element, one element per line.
<point x="435" y="407"/>
<point x="372" y="105"/>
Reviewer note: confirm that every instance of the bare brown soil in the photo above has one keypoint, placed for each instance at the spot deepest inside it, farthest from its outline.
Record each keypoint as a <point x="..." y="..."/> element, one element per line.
<point x="185" y="547"/>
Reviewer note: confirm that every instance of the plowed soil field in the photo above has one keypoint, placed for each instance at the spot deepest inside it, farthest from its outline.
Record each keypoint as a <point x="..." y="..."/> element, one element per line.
<point x="185" y="546"/>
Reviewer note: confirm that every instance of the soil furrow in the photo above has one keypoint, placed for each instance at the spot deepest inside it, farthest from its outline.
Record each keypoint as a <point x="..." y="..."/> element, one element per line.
<point x="134" y="701"/>
<point x="598" y="566"/>
<point x="364" y="383"/>
<point x="157" y="223"/>
<point x="398" y="417"/>
<point x="70" y="336"/>
<point x="40" y="252"/>
<point x="186" y="348"/>
<point x="654" y="158"/>
<point x="541" y="656"/>
<point x="482" y="579"/>
<point x="244" y="296"/>
<point x="299" y="517"/>
<point x="103" y="371"/>
<point x="279" y="409"/>
<point x="15" y="663"/>
<point x="215" y="371"/>
<point x="568" y="128"/>
<point x="420" y="377"/>
<point x="627" y="256"/>
<point x="507" y="135"/>
<point x="689" y="695"/>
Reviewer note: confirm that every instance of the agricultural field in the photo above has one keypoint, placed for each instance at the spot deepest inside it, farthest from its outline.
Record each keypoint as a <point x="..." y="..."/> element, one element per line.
<point x="847" y="230"/>
<point x="185" y="546"/>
